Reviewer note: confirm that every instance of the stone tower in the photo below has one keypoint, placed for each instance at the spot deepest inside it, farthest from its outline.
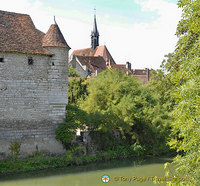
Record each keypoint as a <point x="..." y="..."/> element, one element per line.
<point x="94" y="35"/>
<point x="33" y="84"/>
<point x="54" y="42"/>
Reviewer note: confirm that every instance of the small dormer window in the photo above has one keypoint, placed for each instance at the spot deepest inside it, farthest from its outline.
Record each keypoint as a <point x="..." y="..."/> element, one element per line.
<point x="30" y="60"/>
<point x="1" y="59"/>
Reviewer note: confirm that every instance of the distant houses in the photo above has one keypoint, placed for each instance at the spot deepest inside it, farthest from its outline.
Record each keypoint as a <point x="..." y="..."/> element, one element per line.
<point x="91" y="61"/>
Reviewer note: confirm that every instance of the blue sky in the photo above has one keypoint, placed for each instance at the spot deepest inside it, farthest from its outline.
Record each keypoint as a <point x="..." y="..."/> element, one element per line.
<point x="120" y="11"/>
<point x="126" y="9"/>
<point x="138" y="31"/>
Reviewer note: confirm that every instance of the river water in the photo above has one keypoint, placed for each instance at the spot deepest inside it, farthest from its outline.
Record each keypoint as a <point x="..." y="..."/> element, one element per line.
<point x="117" y="172"/>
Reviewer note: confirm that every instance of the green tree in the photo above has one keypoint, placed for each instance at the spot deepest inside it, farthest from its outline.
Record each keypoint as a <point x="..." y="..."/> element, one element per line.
<point x="118" y="101"/>
<point x="184" y="74"/>
<point x="77" y="88"/>
<point x="107" y="93"/>
<point x="72" y="72"/>
<point x="75" y="118"/>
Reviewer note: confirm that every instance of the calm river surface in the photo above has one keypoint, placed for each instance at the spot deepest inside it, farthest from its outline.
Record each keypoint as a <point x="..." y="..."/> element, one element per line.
<point x="120" y="172"/>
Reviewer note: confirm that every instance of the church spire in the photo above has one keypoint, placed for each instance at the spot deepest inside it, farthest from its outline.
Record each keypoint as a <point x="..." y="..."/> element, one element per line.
<point x="94" y="34"/>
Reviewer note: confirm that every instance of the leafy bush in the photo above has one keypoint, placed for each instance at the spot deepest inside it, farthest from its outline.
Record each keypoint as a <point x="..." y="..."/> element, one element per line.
<point x="77" y="88"/>
<point x="184" y="74"/>
<point x="75" y="118"/>
<point x="117" y="101"/>
<point x="138" y="149"/>
<point x="72" y="72"/>
<point x="15" y="149"/>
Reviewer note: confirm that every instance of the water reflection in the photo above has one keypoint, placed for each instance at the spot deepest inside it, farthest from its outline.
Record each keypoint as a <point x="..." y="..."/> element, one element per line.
<point x="90" y="174"/>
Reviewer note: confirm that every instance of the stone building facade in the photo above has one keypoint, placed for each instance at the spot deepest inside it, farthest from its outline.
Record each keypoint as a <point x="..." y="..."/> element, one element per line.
<point x="88" y="65"/>
<point x="81" y="69"/>
<point x="33" y="84"/>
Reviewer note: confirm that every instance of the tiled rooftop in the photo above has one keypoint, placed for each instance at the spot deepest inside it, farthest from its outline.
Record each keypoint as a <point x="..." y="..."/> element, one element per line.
<point x="99" y="51"/>
<point x="19" y="34"/>
<point x="54" y="37"/>
<point x="93" y="63"/>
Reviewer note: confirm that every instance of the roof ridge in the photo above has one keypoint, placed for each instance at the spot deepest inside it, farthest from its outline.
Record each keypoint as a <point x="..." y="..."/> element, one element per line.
<point x="82" y="49"/>
<point x="12" y="13"/>
<point x="89" y="56"/>
<point x="20" y="35"/>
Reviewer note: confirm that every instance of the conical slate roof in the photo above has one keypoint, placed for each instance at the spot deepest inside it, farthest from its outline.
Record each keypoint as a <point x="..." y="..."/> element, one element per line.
<point x="54" y="38"/>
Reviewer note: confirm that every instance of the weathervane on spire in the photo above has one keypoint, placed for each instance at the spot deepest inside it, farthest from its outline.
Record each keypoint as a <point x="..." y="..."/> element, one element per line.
<point x="55" y="20"/>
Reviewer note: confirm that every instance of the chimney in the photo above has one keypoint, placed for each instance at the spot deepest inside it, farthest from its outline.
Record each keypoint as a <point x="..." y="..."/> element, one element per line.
<point x="108" y="63"/>
<point x="96" y="72"/>
<point x="147" y="70"/>
<point x="128" y="65"/>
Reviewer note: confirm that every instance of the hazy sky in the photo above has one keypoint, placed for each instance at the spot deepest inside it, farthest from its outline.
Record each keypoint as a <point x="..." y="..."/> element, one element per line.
<point x="138" y="31"/>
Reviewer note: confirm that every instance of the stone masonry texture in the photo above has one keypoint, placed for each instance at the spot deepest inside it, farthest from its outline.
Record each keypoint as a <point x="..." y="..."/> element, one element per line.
<point x="33" y="98"/>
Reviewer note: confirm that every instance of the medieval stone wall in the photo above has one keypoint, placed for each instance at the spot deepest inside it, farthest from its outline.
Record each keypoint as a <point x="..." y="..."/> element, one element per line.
<point x="33" y="98"/>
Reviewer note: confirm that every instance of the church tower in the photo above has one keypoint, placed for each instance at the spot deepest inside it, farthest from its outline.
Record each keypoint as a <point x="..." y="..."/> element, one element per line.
<point x="94" y="35"/>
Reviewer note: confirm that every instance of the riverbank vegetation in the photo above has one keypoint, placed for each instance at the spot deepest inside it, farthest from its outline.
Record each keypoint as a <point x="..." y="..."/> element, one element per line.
<point x="163" y="115"/>
<point x="39" y="160"/>
<point x="179" y="88"/>
<point x="119" y="102"/>
<point x="184" y="73"/>
<point x="158" y="118"/>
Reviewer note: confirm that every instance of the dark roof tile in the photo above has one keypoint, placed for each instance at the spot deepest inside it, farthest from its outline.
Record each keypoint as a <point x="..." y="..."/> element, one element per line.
<point x="99" y="51"/>
<point x="119" y="67"/>
<point x="93" y="63"/>
<point x="82" y="52"/>
<point x="139" y="71"/>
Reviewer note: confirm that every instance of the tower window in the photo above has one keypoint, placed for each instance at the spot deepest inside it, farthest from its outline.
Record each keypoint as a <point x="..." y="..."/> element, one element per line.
<point x="30" y="60"/>
<point x="1" y="59"/>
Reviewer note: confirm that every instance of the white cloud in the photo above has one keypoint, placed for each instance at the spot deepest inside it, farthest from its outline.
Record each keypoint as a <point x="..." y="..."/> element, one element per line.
<point x="152" y="41"/>
<point x="143" y="44"/>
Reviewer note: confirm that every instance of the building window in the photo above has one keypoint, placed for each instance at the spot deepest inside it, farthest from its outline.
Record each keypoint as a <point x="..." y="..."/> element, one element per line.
<point x="1" y="59"/>
<point x="53" y="64"/>
<point x="30" y="60"/>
